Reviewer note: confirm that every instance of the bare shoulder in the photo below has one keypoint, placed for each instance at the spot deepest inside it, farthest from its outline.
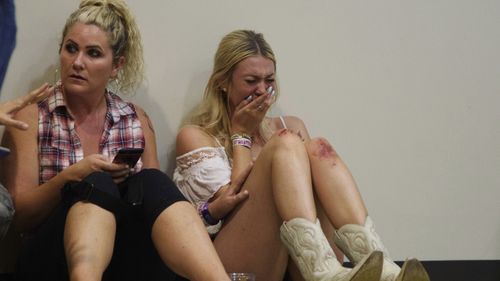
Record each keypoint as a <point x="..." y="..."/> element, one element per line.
<point x="291" y="122"/>
<point x="143" y="117"/>
<point x="294" y="121"/>
<point x="140" y="112"/>
<point x="295" y="124"/>
<point x="192" y="137"/>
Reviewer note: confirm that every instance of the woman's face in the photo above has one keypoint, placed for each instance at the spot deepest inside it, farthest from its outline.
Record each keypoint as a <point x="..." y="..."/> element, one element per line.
<point x="86" y="60"/>
<point x="252" y="76"/>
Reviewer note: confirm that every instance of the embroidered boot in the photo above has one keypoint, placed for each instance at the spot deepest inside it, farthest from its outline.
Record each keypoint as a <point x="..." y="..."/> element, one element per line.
<point x="357" y="241"/>
<point x="309" y="248"/>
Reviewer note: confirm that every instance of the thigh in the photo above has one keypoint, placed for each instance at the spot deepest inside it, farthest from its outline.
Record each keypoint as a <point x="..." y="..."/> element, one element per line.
<point x="249" y="240"/>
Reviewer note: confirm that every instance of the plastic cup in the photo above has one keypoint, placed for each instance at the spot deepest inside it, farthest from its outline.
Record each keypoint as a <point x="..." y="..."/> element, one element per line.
<point x="242" y="276"/>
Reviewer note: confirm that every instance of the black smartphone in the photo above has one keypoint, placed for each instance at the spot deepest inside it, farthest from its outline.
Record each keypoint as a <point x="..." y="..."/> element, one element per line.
<point x="4" y="151"/>
<point x="128" y="156"/>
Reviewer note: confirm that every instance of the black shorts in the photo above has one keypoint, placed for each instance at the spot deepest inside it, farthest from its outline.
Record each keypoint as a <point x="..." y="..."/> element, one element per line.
<point x="139" y="201"/>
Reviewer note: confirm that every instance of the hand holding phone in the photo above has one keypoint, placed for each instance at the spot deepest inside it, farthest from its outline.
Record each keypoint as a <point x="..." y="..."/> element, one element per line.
<point x="128" y="156"/>
<point x="4" y="151"/>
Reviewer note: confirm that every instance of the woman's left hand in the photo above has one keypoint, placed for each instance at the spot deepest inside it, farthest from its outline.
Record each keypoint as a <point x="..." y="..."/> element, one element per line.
<point x="229" y="196"/>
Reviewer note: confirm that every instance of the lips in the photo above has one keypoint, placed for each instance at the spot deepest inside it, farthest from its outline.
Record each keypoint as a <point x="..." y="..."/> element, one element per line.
<point x="78" y="77"/>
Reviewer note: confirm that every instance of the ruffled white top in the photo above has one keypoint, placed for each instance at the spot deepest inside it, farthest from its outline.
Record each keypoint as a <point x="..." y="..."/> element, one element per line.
<point x="200" y="173"/>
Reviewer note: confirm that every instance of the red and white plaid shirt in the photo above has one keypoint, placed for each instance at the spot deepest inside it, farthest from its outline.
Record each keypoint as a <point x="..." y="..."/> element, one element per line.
<point x="59" y="145"/>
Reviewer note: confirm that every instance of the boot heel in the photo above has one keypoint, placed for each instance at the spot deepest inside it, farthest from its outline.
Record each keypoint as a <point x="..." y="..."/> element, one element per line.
<point x="370" y="267"/>
<point x="413" y="270"/>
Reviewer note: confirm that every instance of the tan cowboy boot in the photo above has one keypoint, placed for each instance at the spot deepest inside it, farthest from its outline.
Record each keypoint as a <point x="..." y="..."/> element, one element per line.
<point x="357" y="241"/>
<point x="313" y="255"/>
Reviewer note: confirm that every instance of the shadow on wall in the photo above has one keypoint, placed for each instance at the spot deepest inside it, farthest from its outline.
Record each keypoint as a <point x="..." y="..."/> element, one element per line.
<point x="191" y="99"/>
<point x="164" y="133"/>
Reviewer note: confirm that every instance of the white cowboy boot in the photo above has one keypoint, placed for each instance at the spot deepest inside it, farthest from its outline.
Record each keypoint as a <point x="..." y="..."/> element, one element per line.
<point x="309" y="248"/>
<point x="357" y="241"/>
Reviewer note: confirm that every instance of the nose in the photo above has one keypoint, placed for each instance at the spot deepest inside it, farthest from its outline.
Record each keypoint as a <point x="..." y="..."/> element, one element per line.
<point x="261" y="88"/>
<point x="78" y="61"/>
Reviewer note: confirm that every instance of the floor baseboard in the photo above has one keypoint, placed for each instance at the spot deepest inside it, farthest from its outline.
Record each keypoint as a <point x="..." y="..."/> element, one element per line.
<point x="443" y="270"/>
<point x="461" y="270"/>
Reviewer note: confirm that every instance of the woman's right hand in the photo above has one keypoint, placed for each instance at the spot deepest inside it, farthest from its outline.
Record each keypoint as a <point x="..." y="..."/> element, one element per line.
<point x="229" y="196"/>
<point x="249" y="114"/>
<point x="96" y="163"/>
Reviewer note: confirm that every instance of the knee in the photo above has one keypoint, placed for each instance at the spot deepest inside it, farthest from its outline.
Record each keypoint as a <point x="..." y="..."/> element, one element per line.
<point x="285" y="140"/>
<point x="320" y="148"/>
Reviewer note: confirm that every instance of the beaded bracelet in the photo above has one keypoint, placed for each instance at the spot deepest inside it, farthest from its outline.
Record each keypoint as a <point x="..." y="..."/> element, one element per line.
<point x="239" y="136"/>
<point x="205" y="214"/>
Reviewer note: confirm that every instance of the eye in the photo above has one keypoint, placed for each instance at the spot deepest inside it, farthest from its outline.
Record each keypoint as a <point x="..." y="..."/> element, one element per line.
<point x="250" y="81"/>
<point x="71" y="48"/>
<point x="270" y="80"/>
<point x="95" y="53"/>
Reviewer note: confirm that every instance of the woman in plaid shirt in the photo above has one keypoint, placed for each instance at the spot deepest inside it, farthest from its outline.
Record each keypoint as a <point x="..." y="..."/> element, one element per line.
<point x="82" y="216"/>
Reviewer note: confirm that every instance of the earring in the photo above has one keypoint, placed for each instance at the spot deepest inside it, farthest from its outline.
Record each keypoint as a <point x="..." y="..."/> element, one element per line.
<point x="56" y="76"/>
<point x="224" y="90"/>
<point x="114" y="84"/>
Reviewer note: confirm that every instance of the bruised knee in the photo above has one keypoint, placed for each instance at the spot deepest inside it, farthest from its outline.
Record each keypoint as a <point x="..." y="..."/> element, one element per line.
<point x="321" y="148"/>
<point x="286" y="139"/>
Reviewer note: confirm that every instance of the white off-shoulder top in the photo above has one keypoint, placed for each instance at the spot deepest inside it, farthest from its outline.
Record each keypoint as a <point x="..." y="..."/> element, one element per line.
<point x="200" y="173"/>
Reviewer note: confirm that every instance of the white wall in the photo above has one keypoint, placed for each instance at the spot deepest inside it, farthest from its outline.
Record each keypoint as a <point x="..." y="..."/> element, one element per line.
<point x="407" y="92"/>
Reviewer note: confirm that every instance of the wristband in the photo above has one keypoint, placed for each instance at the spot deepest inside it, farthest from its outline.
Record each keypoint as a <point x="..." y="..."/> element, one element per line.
<point x="205" y="214"/>
<point x="243" y="142"/>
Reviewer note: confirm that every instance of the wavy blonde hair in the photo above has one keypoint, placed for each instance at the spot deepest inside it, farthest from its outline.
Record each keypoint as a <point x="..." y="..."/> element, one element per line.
<point x="114" y="17"/>
<point x="212" y="114"/>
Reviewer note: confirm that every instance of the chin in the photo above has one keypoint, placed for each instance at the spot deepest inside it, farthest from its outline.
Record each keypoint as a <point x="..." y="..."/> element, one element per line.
<point x="75" y="88"/>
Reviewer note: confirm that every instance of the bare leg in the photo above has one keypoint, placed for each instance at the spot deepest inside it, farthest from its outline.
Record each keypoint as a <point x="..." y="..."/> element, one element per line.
<point x="280" y="189"/>
<point x="334" y="185"/>
<point x="328" y="230"/>
<point x="89" y="237"/>
<point x="326" y="225"/>
<point x="183" y="243"/>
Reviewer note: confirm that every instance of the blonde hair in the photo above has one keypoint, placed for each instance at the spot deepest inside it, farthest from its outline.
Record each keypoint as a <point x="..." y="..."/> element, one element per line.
<point x="114" y="17"/>
<point x="212" y="114"/>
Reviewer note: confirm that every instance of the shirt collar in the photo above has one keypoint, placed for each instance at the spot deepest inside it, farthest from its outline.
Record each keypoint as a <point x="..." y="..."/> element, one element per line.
<point x="116" y="106"/>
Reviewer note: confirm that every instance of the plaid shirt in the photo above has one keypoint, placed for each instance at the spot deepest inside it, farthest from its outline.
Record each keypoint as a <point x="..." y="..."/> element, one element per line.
<point x="59" y="145"/>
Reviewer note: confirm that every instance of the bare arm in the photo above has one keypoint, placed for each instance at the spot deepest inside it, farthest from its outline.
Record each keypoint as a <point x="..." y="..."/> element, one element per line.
<point x="20" y="173"/>
<point x="245" y="120"/>
<point x="149" y="156"/>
